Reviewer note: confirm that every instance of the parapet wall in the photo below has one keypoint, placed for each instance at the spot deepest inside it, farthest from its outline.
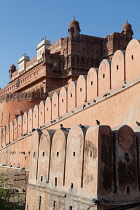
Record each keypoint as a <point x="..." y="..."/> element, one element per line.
<point x="110" y="79"/>
<point x="84" y="161"/>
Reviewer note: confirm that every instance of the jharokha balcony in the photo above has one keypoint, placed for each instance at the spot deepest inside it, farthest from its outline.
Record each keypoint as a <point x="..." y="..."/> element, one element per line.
<point x="23" y="96"/>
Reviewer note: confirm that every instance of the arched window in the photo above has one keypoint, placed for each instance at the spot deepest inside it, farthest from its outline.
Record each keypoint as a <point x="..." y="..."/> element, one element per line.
<point x="82" y="61"/>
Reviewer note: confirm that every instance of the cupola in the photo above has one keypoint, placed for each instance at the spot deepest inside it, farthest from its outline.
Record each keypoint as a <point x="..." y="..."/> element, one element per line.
<point x="12" y="70"/>
<point x="74" y="28"/>
<point x="127" y="29"/>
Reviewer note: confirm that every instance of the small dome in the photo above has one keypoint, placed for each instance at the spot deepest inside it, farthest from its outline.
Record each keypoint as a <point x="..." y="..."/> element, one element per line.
<point x="74" y="24"/>
<point x="127" y="26"/>
<point x="74" y="28"/>
<point x="127" y="29"/>
<point x="12" y="67"/>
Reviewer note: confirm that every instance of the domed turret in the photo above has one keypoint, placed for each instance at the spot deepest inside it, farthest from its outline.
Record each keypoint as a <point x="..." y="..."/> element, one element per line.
<point x="74" y="28"/>
<point x="11" y="70"/>
<point x="127" y="29"/>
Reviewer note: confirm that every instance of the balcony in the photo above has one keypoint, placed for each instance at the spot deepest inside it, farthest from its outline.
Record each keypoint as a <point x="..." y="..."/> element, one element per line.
<point x="23" y="96"/>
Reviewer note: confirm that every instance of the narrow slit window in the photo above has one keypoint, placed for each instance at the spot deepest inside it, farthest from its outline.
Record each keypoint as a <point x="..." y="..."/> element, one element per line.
<point x="90" y="153"/>
<point x="128" y="189"/>
<point x="132" y="57"/>
<point x="117" y="67"/>
<point x="43" y="153"/>
<point x="55" y="181"/>
<point x="54" y="204"/>
<point x="103" y="75"/>
<point x="80" y="89"/>
<point x="62" y="100"/>
<point x="41" y="178"/>
<point x="127" y="157"/>
<point x="91" y="82"/>
<point x="71" y="185"/>
<point x="39" y="203"/>
<point x="71" y="94"/>
<point x="73" y="153"/>
<point x="57" y="154"/>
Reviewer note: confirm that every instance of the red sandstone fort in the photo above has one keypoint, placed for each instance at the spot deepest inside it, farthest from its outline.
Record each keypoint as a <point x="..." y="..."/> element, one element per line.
<point x="70" y="121"/>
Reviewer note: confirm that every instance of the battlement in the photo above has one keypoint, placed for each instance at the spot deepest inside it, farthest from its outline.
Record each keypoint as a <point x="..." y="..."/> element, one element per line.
<point x="112" y="77"/>
<point x="66" y="144"/>
<point x="78" y="164"/>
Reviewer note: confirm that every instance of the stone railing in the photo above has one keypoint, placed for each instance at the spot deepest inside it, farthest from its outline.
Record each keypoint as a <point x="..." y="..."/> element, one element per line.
<point x="23" y="96"/>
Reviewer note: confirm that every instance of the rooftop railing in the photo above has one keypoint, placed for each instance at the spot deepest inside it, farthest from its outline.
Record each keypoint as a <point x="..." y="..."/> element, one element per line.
<point x="23" y="96"/>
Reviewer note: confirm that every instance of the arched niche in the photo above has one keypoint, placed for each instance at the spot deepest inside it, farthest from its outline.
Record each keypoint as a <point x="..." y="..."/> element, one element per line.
<point x="74" y="158"/>
<point x="0" y="137"/>
<point x="104" y="77"/>
<point x="118" y="70"/>
<point x="98" y="161"/>
<point x="3" y="136"/>
<point x="42" y="113"/>
<point x="48" y="110"/>
<point x="20" y="126"/>
<point x="25" y="122"/>
<point x="30" y="119"/>
<point x="92" y="84"/>
<point x="63" y="101"/>
<point x="34" y="153"/>
<point x="44" y="156"/>
<point x="71" y="96"/>
<point x="7" y="133"/>
<point x="55" y="106"/>
<point x="11" y="131"/>
<point x="132" y="60"/>
<point x="126" y="157"/>
<point x="15" y="128"/>
<point x="58" y="158"/>
<point x="81" y="90"/>
<point x="36" y="116"/>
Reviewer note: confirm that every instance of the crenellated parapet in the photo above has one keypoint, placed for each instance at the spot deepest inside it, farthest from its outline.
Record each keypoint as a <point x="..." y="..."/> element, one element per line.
<point x="82" y="164"/>
<point x="115" y="81"/>
<point x="86" y="163"/>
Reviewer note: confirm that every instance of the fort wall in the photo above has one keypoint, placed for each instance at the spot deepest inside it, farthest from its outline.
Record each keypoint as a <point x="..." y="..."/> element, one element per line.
<point x="73" y="156"/>
<point x="98" y="92"/>
<point x="70" y="167"/>
<point x="10" y="113"/>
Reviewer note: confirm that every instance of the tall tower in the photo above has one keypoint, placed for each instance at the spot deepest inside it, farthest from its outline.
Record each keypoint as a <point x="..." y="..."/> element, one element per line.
<point x="74" y="28"/>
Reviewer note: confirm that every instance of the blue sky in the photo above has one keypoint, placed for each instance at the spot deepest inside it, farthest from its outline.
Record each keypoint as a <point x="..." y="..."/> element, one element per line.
<point x="25" y="22"/>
